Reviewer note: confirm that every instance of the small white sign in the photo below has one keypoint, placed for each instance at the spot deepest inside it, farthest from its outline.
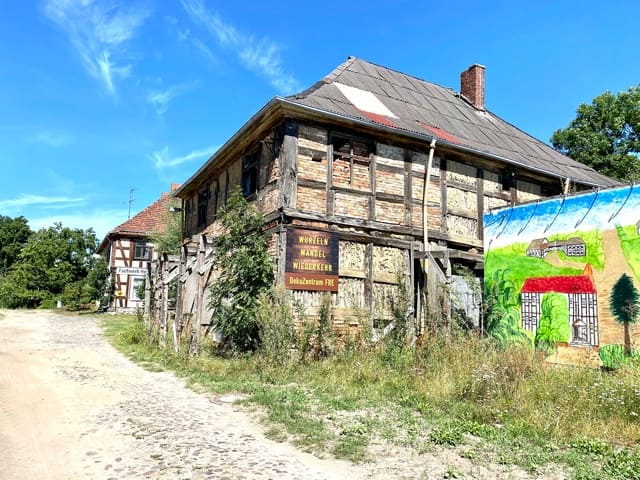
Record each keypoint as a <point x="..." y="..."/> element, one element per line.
<point x="131" y="271"/>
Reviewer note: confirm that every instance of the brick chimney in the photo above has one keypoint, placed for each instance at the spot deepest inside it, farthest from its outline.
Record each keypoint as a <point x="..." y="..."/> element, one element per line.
<point x="175" y="186"/>
<point x="472" y="85"/>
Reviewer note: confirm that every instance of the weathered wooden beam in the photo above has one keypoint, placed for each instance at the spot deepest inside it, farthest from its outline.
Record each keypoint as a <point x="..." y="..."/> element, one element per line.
<point x="407" y="188"/>
<point x="288" y="164"/>
<point x="443" y="195"/>
<point x="372" y="186"/>
<point x="480" y="201"/>
<point x="452" y="253"/>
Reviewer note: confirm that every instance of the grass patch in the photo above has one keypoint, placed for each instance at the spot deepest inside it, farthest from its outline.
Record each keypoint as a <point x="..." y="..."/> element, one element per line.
<point x="499" y="405"/>
<point x="630" y="244"/>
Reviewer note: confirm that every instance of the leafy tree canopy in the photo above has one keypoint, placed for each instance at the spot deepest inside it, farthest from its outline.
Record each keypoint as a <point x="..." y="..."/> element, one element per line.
<point x="169" y="238"/>
<point x="605" y="135"/>
<point x="55" y="263"/>
<point x="14" y="233"/>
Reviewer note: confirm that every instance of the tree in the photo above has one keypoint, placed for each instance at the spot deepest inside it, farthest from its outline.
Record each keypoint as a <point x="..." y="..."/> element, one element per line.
<point x="168" y="238"/>
<point x="605" y="135"/>
<point x="245" y="270"/>
<point x="14" y="233"/>
<point x="625" y="306"/>
<point x="55" y="263"/>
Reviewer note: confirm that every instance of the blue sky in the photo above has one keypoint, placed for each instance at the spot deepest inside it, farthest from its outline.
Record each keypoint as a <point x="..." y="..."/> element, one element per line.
<point x="599" y="210"/>
<point x="99" y="97"/>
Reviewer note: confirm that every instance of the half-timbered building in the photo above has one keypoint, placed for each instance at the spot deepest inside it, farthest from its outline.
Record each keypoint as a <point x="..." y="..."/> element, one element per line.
<point x="371" y="175"/>
<point x="128" y="250"/>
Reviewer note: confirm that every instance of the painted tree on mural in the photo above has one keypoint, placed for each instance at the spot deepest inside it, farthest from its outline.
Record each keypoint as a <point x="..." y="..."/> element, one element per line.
<point x="554" y="321"/>
<point x="503" y="309"/>
<point x="625" y="305"/>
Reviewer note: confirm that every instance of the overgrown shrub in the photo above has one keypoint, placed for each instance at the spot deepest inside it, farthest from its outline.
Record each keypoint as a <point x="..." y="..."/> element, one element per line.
<point x="245" y="271"/>
<point x="134" y="333"/>
<point x="276" y="317"/>
<point x="316" y="338"/>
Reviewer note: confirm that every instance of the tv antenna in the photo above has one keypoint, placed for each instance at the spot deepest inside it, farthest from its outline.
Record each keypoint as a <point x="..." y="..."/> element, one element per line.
<point x="131" y="199"/>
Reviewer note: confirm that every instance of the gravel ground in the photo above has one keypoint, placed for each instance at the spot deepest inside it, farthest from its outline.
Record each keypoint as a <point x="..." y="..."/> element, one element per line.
<point x="72" y="407"/>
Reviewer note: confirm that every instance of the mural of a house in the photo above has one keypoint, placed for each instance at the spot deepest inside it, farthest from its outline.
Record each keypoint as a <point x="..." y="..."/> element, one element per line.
<point x="128" y="250"/>
<point x="598" y="232"/>
<point x="572" y="247"/>
<point x="583" y="304"/>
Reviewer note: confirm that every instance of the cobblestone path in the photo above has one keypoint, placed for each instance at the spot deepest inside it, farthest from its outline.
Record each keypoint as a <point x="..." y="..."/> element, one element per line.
<point x="72" y="407"/>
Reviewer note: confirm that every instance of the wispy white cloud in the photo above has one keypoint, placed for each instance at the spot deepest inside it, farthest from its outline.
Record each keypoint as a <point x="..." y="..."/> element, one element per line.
<point x="41" y="201"/>
<point x="162" y="159"/>
<point x="99" y="32"/>
<point x="51" y="139"/>
<point x="160" y="99"/>
<point x="261" y="56"/>
<point x="204" y="50"/>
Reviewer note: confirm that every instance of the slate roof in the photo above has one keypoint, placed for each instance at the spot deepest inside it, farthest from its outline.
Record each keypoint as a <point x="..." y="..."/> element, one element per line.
<point x="151" y="219"/>
<point x="357" y="89"/>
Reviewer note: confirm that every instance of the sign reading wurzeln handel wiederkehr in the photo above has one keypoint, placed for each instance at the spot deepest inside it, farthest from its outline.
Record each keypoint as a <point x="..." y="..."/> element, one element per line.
<point x="312" y="260"/>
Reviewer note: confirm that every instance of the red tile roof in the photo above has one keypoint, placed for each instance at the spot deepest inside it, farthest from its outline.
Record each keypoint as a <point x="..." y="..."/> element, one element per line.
<point x="576" y="284"/>
<point x="151" y="219"/>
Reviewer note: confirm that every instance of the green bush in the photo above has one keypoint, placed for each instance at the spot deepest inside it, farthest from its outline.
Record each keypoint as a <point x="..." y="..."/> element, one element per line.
<point x="612" y="356"/>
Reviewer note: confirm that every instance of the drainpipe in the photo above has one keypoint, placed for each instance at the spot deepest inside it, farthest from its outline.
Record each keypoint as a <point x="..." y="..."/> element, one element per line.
<point x="425" y="227"/>
<point x="425" y="191"/>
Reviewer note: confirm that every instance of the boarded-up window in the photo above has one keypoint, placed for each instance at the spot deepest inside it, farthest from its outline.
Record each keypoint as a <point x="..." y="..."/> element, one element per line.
<point x="203" y="200"/>
<point x="250" y="168"/>
<point x="351" y="163"/>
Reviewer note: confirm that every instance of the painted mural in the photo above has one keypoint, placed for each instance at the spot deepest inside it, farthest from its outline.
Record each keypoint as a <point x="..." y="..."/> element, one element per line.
<point x="563" y="274"/>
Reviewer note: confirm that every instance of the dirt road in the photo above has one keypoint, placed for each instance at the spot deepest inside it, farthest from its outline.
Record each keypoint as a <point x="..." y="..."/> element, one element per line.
<point x="71" y="407"/>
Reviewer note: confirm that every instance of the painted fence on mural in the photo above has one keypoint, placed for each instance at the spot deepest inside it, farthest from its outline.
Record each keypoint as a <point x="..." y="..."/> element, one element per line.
<point x="556" y="271"/>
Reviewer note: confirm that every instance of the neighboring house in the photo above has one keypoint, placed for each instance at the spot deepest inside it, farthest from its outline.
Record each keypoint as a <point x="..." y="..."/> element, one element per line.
<point x="128" y="250"/>
<point x="342" y="165"/>
<point x="538" y="248"/>
<point x="583" y="304"/>
<point x="572" y="247"/>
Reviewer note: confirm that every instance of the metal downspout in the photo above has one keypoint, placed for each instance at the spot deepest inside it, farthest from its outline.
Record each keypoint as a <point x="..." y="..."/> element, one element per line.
<point x="425" y="228"/>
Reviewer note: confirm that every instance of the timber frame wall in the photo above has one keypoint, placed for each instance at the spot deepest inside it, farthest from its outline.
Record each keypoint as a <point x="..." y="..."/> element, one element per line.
<point x="366" y="185"/>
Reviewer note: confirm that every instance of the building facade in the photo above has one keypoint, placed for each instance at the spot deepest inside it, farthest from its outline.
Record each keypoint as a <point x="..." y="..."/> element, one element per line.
<point x="129" y="251"/>
<point x="371" y="176"/>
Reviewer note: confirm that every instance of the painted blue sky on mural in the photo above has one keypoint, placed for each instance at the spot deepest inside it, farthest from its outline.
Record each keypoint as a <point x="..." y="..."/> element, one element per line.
<point x="603" y="210"/>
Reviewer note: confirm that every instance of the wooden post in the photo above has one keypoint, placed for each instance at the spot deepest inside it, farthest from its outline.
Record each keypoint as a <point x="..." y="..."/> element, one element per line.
<point x="197" y="318"/>
<point x="164" y="308"/>
<point x="179" y="301"/>
<point x="147" y="296"/>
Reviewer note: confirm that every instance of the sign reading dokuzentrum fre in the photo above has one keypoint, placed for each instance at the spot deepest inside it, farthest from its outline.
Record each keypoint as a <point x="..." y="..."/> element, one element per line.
<point x="312" y="260"/>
